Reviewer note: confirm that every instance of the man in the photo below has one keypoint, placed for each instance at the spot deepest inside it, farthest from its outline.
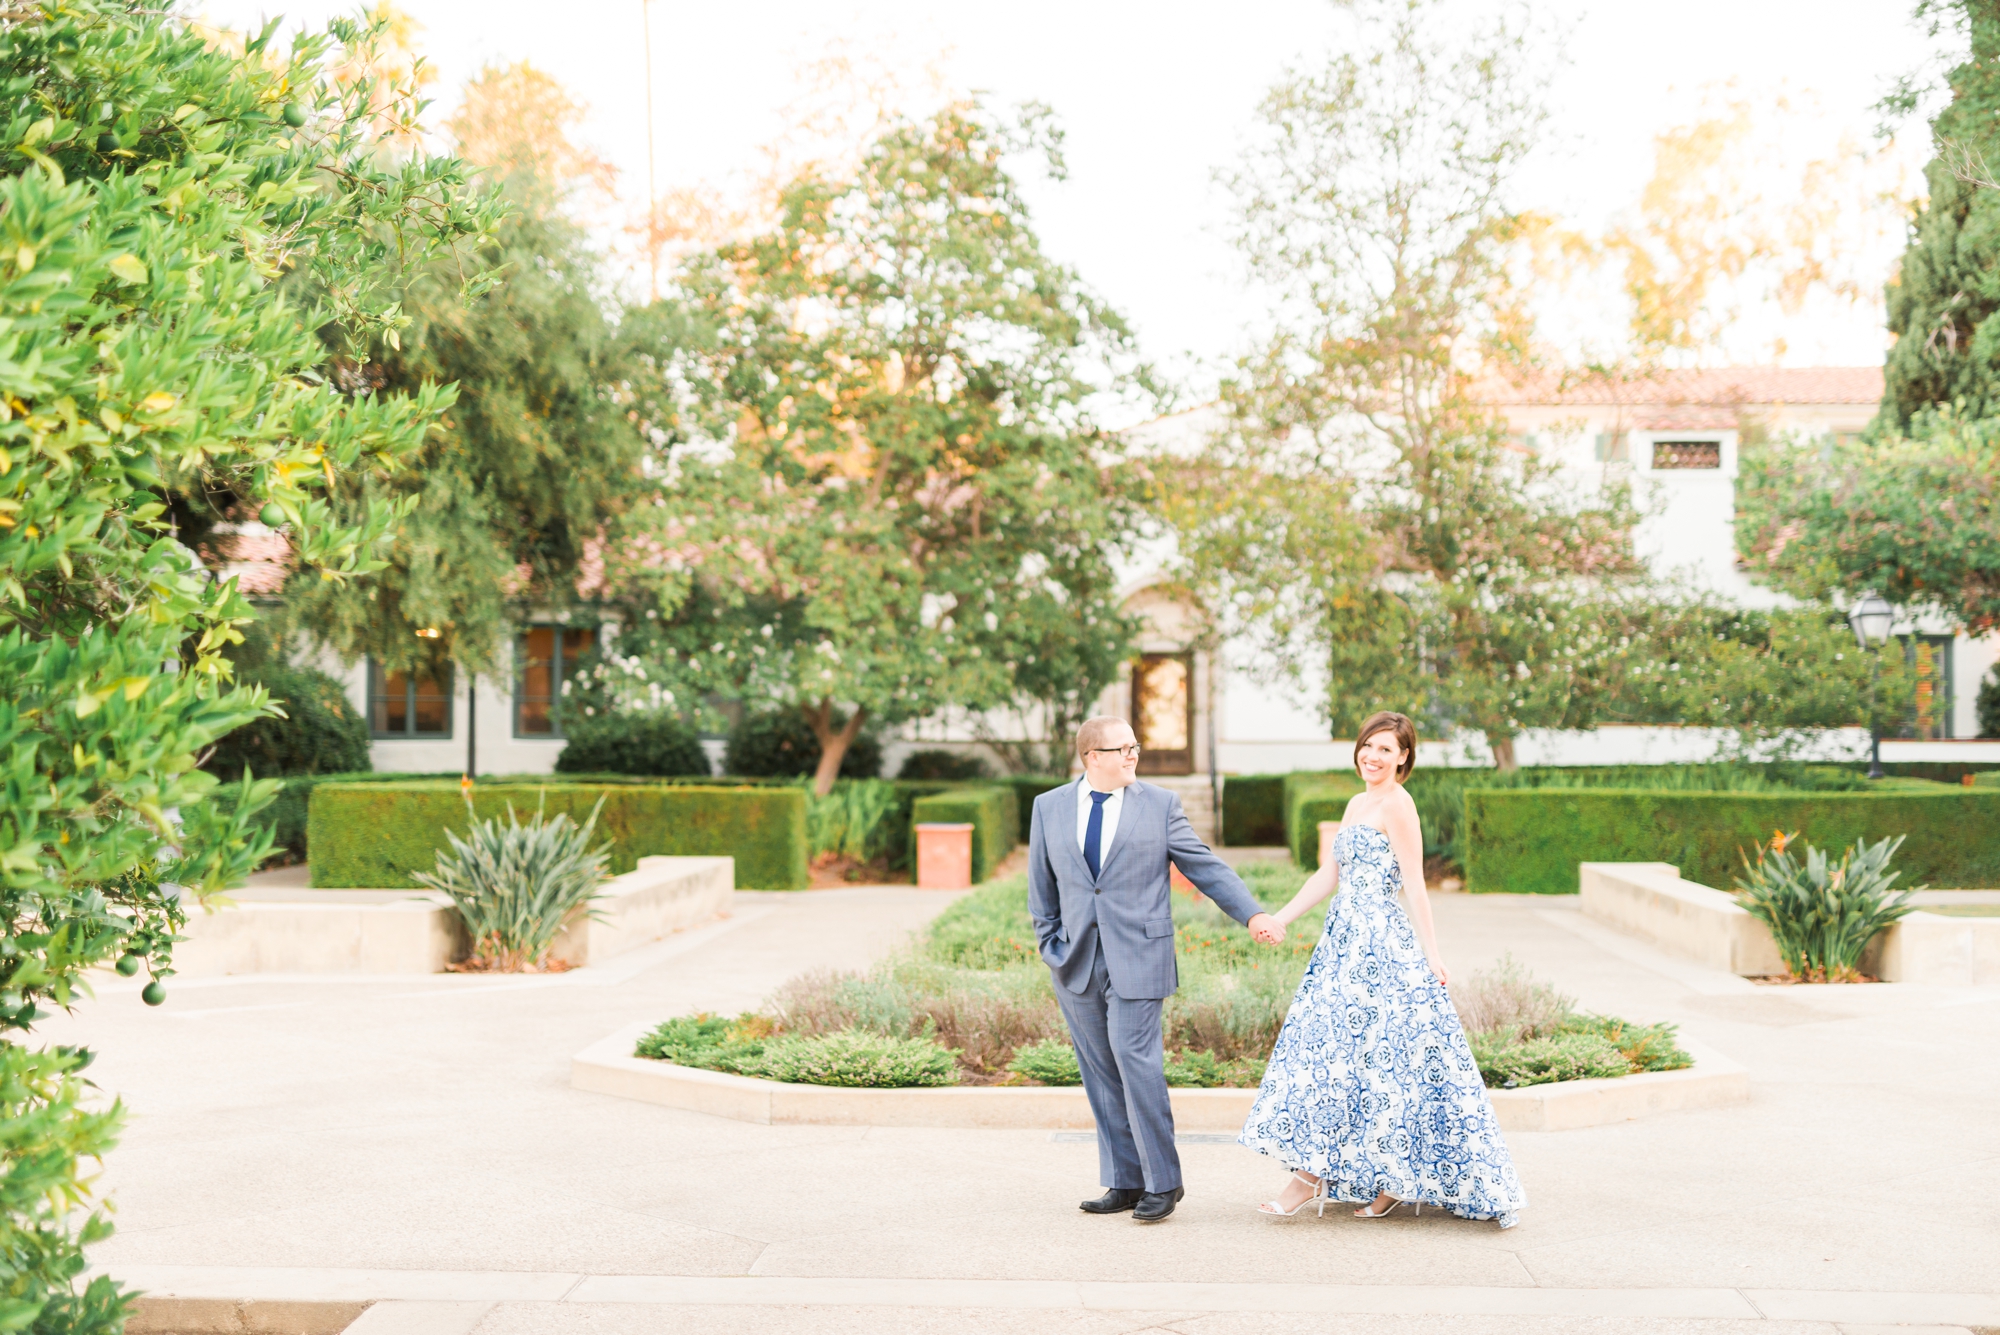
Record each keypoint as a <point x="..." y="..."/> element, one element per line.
<point x="1098" y="858"/>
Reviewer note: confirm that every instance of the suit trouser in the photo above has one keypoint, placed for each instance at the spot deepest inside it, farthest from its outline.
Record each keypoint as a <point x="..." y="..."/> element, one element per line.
<point x="1118" y="1046"/>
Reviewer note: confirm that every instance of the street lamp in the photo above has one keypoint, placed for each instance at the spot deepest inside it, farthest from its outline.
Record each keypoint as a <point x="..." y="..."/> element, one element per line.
<point x="1871" y="619"/>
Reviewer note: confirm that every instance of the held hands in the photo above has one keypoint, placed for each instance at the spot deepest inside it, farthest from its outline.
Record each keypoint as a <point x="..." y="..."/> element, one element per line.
<point x="1265" y="930"/>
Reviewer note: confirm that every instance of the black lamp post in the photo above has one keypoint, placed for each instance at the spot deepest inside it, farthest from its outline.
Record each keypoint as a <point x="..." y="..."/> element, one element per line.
<point x="1871" y="619"/>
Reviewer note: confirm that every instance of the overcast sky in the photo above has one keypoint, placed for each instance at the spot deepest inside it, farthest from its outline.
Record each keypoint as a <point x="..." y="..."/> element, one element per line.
<point x="1154" y="97"/>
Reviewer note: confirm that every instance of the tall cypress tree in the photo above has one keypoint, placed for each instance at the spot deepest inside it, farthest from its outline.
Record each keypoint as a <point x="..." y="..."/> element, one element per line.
<point x="1947" y="350"/>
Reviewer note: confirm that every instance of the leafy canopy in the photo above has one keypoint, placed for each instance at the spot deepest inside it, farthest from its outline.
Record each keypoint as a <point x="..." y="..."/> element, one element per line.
<point x="1362" y="509"/>
<point x="889" y="449"/>
<point x="513" y="492"/>
<point x="158" y="196"/>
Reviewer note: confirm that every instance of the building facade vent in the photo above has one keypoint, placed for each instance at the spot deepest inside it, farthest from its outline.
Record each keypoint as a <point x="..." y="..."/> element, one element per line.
<point x="1686" y="454"/>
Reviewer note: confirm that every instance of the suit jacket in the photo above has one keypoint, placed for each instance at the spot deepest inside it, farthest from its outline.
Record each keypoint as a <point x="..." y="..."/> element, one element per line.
<point x="1125" y="910"/>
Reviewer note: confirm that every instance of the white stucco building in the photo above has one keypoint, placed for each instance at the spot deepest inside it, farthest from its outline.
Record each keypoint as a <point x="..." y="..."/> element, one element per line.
<point x="1200" y="715"/>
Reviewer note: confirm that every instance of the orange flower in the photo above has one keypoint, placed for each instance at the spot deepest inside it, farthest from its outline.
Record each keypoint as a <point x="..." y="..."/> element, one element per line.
<point x="1778" y="841"/>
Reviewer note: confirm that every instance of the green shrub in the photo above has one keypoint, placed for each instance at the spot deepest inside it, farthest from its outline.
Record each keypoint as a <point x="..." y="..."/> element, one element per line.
<point x="1531" y="841"/>
<point x="987" y="929"/>
<point x="1310" y="799"/>
<point x="654" y="744"/>
<point x="1504" y="1064"/>
<point x="380" y="834"/>
<point x="1987" y="704"/>
<point x="1822" y="916"/>
<point x="856" y="820"/>
<point x="288" y="815"/>
<point x="1049" y="1062"/>
<point x="1253" y="810"/>
<point x="1202" y="1070"/>
<point x="989" y="809"/>
<point x="321" y="733"/>
<point x="1647" y="1047"/>
<point x="780" y="743"/>
<point x="516" y="885"/>
<point x="709" y="1043"/>
<point x="953" y="766"/>
<point x="858" y="1058"/>
<point x="1028" y="787"/>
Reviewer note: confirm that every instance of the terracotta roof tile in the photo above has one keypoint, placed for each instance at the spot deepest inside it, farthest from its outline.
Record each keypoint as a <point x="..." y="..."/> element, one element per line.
<point x="1722" y="386"/>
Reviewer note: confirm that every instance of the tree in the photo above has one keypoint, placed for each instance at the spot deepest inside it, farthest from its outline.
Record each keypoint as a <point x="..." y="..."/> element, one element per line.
<point x="513" y="492"/>
<point x="1916" y="518"/>
<point x="888" y="461"/>
<point x="1949" y="282"/>
<point x="318" y="731"/>
<point x="1912" y="510"/>
<point x="1774" y="678"/>
<point x="1464" y="574"/>
<point x="156" y="192"/>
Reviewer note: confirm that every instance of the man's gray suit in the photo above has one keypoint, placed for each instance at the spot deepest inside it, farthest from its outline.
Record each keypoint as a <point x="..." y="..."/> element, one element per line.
<point x="1109" y="942"/>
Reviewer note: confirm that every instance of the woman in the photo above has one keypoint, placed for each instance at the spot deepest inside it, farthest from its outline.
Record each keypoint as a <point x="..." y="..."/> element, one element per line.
<point x="1372" y="1094"/>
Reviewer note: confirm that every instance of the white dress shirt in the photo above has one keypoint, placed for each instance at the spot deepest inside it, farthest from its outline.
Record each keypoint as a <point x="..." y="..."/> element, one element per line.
<point x="1112" y="806"/>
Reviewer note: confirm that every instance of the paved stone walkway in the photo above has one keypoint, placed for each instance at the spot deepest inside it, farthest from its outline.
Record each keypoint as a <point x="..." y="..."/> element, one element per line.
<point x="415" y="1140"/>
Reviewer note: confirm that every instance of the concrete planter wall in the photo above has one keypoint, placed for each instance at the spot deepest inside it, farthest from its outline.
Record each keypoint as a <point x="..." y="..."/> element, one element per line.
<point x="402" y="931"/>
<point x="1698" y="922"/>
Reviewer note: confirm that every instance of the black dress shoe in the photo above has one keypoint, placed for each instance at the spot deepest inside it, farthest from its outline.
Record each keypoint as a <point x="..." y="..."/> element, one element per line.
<point x="1114" y="1200"/>
<point x="1157" y="1205"/>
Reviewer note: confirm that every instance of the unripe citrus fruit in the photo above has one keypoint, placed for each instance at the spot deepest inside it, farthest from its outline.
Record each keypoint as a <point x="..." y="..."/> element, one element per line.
<point x="155" y="993"/>
<point x="129" y="964"/>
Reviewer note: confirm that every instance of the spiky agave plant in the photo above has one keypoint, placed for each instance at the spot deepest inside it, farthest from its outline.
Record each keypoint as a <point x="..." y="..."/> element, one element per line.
<point x="515" y="885"/>
<point x="1823" y="914"/>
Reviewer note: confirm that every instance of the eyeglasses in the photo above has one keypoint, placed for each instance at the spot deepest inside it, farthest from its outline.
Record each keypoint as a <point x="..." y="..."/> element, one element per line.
<point x="1129" y="752"/>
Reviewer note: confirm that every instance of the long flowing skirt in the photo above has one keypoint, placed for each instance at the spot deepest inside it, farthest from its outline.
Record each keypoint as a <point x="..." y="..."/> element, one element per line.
<point x="1371" y="1085"/>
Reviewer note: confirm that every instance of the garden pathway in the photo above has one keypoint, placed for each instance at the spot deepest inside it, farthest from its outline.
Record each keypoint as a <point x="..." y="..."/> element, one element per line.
<point x="416" y="1139"/>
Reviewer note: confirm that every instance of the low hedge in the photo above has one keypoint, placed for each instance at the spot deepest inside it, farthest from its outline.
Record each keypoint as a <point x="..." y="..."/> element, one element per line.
<point x="1310" y="799"/>
<point x="1028" y="787"/>
<point x="286" y="817"/>
<point x="989" y="809"/>
<point x="377" y="834"/>
<point x="1253" y="810"/>
<point x="1529" y="841"/>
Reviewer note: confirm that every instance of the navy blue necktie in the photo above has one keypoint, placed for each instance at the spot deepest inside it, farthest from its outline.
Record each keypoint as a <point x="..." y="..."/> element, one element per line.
<point x="1093" y="833"/>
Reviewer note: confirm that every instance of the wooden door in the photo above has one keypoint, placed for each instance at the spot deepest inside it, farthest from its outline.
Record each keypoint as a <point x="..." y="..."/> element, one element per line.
<point x="1163" y="712"/>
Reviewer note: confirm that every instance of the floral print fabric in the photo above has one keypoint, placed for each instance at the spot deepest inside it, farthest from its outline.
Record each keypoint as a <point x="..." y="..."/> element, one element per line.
<point x="1371" y="1085"/>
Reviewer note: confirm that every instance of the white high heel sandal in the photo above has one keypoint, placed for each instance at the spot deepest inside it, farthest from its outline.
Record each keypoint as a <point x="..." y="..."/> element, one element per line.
<point x="1318" y="1194"/>
<point x="1369" y="1211"/>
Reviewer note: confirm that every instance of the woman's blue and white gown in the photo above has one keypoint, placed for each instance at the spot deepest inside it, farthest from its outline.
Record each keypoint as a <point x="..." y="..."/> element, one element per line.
<point x="1371" y="1085"/>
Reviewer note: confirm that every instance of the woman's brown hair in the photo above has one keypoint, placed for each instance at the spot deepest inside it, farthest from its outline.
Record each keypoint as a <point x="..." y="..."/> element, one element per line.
<point x="1406" y="737"/>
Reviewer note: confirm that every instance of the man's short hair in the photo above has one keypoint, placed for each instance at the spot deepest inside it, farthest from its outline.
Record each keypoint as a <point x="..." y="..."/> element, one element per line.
<point x="1095" y="732"/>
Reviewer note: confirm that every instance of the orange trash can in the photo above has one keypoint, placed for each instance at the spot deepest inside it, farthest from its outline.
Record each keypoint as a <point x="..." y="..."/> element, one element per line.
<point x="944" y="857"/>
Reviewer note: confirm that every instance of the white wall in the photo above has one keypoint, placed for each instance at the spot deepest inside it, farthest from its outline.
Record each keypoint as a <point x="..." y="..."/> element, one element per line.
<point x="498" y="750"/>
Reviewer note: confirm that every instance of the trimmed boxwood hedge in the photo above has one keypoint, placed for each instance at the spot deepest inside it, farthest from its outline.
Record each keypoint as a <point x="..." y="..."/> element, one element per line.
<point x="1529" y="841"/>
<point x="1028" y="787"/>
<point x="1253" y="810"/>
<point x="990" y="810"/>
<point x="1310" y="799"/>
<point x="377" y="834"/>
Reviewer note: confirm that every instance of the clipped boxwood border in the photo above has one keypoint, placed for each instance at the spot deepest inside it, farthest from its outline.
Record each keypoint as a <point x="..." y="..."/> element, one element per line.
<point x="1253" y="810"/>
<point x="376" y="834"/>
<point x="1531" y="840"/>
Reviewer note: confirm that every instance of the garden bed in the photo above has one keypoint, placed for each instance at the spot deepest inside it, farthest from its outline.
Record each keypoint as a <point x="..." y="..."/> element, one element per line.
<point x="608" y="1067"/>
<point x="970" y="1004"/>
